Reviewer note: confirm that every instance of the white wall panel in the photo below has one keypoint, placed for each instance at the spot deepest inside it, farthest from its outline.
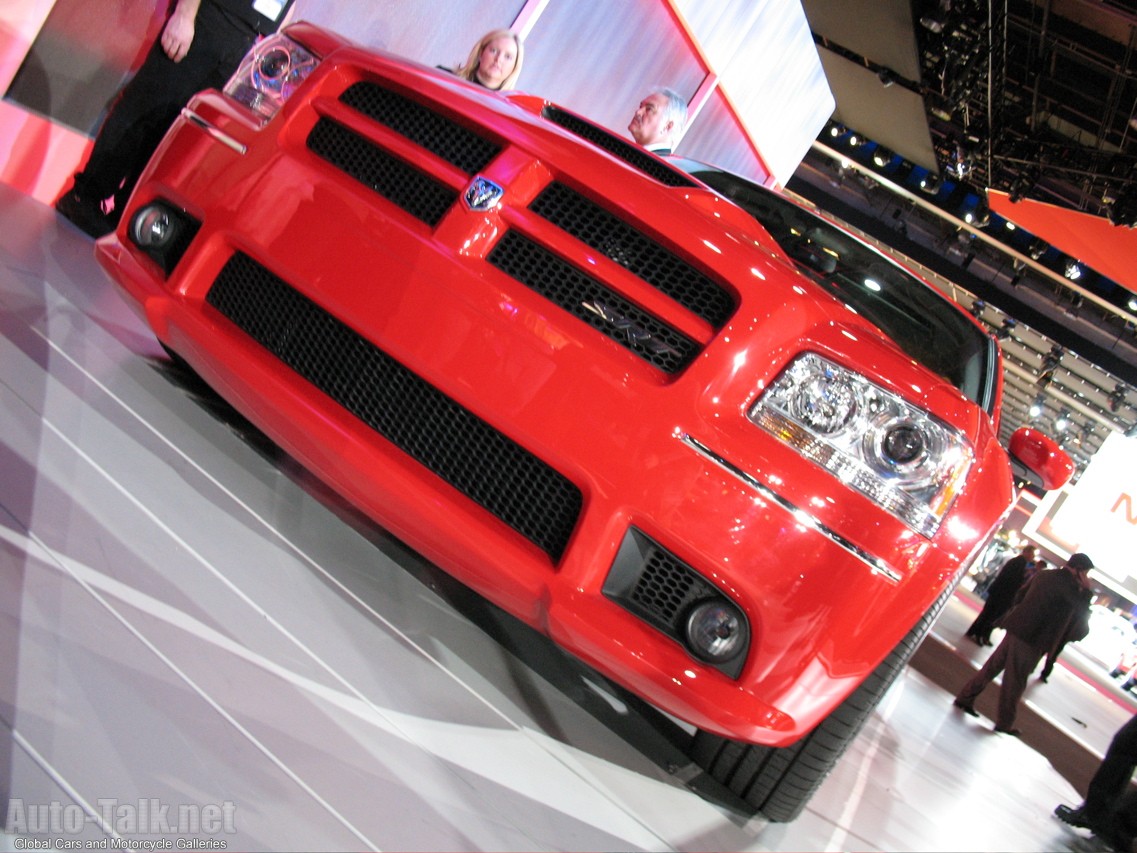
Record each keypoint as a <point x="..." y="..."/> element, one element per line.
<point x="715" y="138"/>
<point x="600" y="57"/>
<point x="768" y="64"/>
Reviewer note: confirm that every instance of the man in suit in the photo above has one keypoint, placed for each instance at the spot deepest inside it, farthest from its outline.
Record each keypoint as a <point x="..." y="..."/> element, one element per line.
<point x="658" y="120"/>
<point x="1054" y="604"/>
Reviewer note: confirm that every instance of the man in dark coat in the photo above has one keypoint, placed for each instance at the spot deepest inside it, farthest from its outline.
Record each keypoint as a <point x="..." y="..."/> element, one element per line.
<point x="1001" y="595"/>
<point x="1052" y="603"/>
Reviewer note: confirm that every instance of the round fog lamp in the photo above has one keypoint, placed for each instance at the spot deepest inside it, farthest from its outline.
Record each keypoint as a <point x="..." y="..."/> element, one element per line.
<point x="716" y="631"/>
<point x="153" y="227"/>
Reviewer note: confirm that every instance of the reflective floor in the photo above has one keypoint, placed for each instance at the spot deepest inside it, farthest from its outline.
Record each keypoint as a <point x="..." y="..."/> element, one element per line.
<point x="200" y="645"/>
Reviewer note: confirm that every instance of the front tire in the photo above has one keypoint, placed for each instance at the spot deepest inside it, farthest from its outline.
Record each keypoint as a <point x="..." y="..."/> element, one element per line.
<point x="778" y="781"/>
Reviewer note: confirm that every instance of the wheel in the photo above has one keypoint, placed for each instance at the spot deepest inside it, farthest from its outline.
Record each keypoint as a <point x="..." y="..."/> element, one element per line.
<point x="779" y="781"/>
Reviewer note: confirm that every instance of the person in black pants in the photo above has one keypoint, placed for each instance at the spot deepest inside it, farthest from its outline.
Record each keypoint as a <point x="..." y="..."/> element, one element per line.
<point x="1001" y="595"/>
<point x="202" y="43"/>
<point x="1108" y="809"/>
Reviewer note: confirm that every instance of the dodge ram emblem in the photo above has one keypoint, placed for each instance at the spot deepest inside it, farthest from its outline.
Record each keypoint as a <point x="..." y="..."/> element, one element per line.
<point x="482" y="194"/>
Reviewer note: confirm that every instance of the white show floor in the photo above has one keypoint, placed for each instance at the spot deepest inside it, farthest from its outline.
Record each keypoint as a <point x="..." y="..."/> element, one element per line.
<point x="187" y="619"/>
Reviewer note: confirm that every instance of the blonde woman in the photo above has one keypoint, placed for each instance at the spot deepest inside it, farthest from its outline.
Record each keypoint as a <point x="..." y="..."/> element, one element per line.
<point x="495" y="61"/>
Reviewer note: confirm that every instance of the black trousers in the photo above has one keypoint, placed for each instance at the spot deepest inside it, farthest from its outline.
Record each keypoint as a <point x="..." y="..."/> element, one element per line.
<point x="147" y="105"/>
<point x="1107" y="805"/>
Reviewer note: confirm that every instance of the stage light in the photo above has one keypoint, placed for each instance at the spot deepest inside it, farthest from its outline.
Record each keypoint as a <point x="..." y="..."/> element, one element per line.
<point x="1050" y="363"/>
<point x="1073" y="269"/>
<point x="979" y="216"/>
<point x="1037" y="248"/>
<point x="1117" y="398"/>
<point x="1006" y="329"/>
<point x="932" y="23"/>
<point x="1062" y="422"/>
<point x="1037" y="405"/>
<point x="882" y="156"/>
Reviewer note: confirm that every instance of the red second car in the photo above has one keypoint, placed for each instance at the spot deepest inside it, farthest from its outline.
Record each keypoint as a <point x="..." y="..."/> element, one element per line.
<point x="707" y="441"/>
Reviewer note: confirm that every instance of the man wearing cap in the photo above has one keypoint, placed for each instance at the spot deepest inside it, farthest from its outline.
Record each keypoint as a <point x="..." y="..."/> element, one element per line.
<point x="1054" y="604"/>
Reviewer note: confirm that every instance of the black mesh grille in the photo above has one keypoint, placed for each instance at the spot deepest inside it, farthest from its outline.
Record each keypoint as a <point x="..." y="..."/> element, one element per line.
<point x="632" y="154"/>
<point x="454" y="143"/>
<point x="667" y="587"/>
<point x="593" y="302"/>
<point x="459" y="447"/>
<point x="416" y="193"/>
<point x="592" y="224"/>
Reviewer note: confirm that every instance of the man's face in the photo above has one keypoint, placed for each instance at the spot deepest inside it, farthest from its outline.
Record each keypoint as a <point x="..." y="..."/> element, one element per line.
<point x="648" y="126"/>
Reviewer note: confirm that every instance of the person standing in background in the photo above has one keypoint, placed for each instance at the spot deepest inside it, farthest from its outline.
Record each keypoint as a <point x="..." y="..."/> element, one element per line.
<point x="1001" y="595"/>
<point x="1107" y="810"/>
<point x="495" y="61"/>
<point x="658" y="120"/>
<point x="201" y="45"/>
<point x="1055" y="604"/>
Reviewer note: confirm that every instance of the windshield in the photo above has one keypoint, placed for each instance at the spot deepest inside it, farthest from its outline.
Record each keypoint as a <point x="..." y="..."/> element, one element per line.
<point x="925" y="324"/>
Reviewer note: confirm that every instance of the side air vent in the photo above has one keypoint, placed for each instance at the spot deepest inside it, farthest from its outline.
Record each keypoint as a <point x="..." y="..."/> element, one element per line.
<point x="418" y="194"/>
<point x="630" y="153"/>
<point x="465" y="451"/>
<point x="593" y="302"/>
<point x="457" y="145"/>
<point x="653" y="584"/>
<point x="616" y="239"/>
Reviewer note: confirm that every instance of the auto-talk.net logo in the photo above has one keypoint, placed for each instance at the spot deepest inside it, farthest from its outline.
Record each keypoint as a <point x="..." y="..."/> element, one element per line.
<point x="111" y="824"/>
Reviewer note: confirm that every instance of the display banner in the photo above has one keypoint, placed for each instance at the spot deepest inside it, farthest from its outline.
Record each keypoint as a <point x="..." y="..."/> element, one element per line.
<point x="1098" y="515"/>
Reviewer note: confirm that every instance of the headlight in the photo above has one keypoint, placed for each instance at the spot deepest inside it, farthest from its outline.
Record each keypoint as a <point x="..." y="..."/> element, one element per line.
<point x="269" y="74"/>
<point x="902" y="458"/>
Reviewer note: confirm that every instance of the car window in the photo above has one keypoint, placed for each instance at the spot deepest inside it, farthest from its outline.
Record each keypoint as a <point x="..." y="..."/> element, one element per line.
<point x="925" y="324"/>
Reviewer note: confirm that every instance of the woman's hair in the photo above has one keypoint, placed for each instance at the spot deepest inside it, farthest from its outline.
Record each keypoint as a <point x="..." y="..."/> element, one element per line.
<point x="469" y="71"/>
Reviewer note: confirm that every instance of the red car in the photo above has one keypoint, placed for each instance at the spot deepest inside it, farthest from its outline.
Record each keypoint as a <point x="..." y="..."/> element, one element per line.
<point x="708" y="442"/>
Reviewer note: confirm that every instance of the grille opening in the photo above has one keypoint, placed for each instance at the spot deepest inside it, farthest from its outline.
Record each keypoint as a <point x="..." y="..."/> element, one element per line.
<point x="630" y="153"/>
<point x="418" y="194"/>
<point x="457" y="145"/>
<point x="449" y="440"/>
<point x="590" y="223"/>
<point x="593" y="302"/>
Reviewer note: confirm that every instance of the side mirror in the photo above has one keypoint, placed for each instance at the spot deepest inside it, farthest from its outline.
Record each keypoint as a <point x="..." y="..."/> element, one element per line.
<point x="1039" y="460"/>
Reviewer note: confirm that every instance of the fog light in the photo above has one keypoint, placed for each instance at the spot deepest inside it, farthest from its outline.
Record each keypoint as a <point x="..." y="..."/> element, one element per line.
<point x="716" y="631"/>
<point x="163" y="232"/>
<point x="153" y="227"/>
